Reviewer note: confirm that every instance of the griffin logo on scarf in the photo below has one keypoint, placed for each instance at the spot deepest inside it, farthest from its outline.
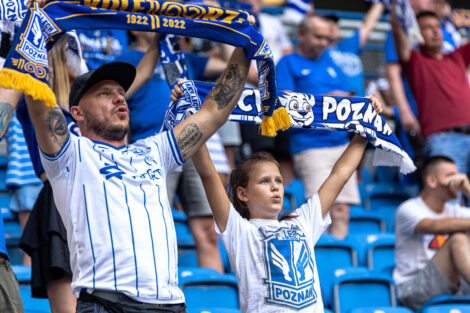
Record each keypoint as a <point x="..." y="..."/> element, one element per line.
<point x="32" y="42"/>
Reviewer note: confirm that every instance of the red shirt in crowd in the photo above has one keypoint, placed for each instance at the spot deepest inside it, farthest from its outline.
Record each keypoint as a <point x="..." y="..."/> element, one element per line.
<point x="441" y="89"/>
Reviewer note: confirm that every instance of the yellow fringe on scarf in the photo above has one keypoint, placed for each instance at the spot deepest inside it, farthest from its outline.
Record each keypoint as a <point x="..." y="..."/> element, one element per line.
<point x="26" y="83"/>
<point x="271" y="124"/>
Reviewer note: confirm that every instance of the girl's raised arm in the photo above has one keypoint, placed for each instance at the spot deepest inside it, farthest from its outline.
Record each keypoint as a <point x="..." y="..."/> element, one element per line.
<point x="344" y="167"/>
<point x="215" y="191"/>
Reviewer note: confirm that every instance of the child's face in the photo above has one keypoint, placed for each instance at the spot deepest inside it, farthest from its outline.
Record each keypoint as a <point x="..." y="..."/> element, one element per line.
<point x="265" y="192"/>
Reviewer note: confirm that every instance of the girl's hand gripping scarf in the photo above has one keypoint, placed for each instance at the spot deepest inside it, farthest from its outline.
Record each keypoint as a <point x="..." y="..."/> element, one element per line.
<point x="351" y="114"/>
<point x="26" y="65"/>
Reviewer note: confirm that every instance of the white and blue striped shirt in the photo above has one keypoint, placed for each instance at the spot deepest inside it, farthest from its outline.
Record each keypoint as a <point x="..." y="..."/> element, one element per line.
<point x="114" y="205"/>
<point x="20" y="171"/>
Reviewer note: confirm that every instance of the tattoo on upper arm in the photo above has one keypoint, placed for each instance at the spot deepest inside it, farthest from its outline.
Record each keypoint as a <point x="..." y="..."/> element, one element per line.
<point x="57" y="126"/>
<point x="188" y="138"/>
<point x="226" y="88"/>
<point x="6" y="111"/>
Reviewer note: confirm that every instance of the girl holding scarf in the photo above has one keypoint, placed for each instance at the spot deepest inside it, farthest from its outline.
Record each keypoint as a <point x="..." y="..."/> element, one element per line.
<point x="273" y="259"/>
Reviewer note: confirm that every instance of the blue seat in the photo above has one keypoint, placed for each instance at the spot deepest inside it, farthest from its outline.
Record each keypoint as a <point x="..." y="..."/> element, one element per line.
<point x="294" y="196"/>
<point x="384" y="198"/>
<point x="447" y="308"/>
<point x="181" y="223"/>
<point x="380" y="251"/>
<point x="358" y="287"/>
<point x="332" y="254"/>
<point x="446" y="300"/>
<point x="363" y="221"/>
<point x="393" y="309"/>
<point x="378" y="194"/>
<point x="12" y="233"/>
<point x="186" y="251"/>
<point x="23" y="273"/>
<point x="3" y="161"/>
<point x="12" y="239"/>
<point x="5" y="206"/>
<point x="212" y="310"/>
<point x="206" y="288"/>
<point x="33" y="305"/>
<point x="386" y="174"/>
<point x="3" y="176"/>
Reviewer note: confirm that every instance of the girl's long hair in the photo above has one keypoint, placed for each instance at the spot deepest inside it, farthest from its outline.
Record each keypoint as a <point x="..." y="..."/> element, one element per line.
<point x="59" y="76"/>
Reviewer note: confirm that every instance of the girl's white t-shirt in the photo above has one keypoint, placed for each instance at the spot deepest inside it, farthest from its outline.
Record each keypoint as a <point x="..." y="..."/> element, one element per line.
<point x="275" y="262"/>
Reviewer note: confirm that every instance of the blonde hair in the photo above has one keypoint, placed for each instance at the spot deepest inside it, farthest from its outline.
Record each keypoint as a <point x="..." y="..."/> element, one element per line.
<point x="59" y="77"/>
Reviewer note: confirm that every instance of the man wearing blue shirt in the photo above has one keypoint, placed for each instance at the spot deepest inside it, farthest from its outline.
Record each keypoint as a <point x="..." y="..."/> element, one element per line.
<point x="311" y="70"/>
<point x="345" y="54"/>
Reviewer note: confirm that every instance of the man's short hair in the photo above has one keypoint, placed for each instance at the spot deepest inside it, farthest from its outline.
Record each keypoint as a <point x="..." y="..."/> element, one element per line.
<point x="304" y="24"/>
<point x="426" y="13"/>
<point x="431" y="163"/>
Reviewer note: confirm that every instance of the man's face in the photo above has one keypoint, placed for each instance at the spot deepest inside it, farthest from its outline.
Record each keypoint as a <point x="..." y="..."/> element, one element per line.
<point x="432" y="34"/>
<point x="315" y="38"/>
<point x="104" y="110"/>
<point x="442" y="173"/>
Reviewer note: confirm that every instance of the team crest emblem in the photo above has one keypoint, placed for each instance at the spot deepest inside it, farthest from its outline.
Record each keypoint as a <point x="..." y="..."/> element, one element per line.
<point x="289" y="268"/>
<point x="33" y="40"/>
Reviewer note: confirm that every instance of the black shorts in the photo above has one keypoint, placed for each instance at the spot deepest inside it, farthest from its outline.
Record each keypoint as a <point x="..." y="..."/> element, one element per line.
<point x="44" y="239"/>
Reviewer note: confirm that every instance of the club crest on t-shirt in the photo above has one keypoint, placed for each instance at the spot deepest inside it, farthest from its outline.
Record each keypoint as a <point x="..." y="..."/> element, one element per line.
<point x="289" y="268"/>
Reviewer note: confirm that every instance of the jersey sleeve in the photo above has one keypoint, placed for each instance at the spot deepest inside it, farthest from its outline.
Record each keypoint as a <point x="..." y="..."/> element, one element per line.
<point x="391" y="55"/>
<point x="56" y="165"/>
<point x="351" y="44"/>
<point x="166" y="150"/>
<point x="310" y="215"/>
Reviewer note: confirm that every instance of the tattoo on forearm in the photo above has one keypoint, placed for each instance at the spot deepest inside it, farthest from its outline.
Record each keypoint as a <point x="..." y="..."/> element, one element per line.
<point x="188" y="138"/>
<point x="226" y="88"/>
<point x="57" y="126"/>
<point x="6" y="110"/>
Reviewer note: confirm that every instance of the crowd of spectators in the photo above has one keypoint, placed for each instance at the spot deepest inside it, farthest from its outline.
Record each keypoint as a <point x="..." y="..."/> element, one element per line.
<point x="426" y="92"/>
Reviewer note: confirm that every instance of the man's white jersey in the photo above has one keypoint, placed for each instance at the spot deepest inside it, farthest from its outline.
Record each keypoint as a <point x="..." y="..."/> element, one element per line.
<point x="114" y="205"/>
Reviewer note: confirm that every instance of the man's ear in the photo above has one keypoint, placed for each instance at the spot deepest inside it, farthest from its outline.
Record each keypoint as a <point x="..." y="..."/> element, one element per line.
<point x="241" y="194"/>
<point x="431" y="181"/>
<point x="76" y="113"/>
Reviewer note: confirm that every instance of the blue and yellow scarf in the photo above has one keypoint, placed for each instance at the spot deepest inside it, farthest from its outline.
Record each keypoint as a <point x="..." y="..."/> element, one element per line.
<point x="26" y="66"/>
<point x="351" y="114"/>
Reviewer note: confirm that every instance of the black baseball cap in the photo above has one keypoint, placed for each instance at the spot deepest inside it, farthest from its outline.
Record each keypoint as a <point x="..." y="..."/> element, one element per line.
<point x="121" y="72"/>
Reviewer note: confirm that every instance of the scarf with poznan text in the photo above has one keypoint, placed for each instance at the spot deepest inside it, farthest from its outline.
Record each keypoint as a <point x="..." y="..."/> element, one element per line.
<point x="351" y="114"/>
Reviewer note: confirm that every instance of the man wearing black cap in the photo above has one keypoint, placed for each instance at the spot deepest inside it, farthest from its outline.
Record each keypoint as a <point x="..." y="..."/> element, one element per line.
<point x="112" y="196"/>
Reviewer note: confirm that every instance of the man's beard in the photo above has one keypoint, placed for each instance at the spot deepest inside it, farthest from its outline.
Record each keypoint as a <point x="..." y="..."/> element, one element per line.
<point x="107" y="131"/>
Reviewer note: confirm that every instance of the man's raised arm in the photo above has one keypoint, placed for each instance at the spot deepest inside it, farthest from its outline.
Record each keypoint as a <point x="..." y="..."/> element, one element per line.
<point x="402" y="43"/>
<point x="49" y="124"/>
<point x="196" y="129"/>
<point x="9" y="99"/>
